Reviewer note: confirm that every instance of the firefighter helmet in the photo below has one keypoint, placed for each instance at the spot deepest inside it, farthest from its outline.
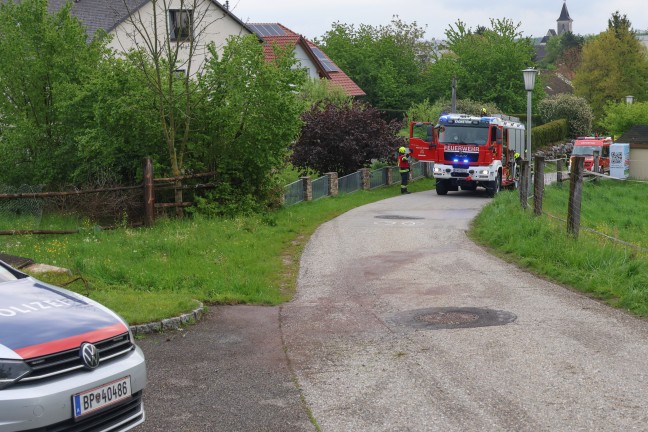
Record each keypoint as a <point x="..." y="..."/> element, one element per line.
<point x="402" y="150"/>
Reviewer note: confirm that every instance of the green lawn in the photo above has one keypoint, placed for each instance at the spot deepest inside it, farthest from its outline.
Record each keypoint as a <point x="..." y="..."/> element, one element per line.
<point x="593" y="264"/>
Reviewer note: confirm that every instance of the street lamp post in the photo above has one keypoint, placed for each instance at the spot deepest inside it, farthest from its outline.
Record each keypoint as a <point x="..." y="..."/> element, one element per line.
<point x="529" y="83"/>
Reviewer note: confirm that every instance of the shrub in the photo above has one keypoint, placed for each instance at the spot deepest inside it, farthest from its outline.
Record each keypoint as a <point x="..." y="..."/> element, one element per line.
<point x="344" y="139"/>
<point x="566" y="106"/>
<point x="549" y="133"/>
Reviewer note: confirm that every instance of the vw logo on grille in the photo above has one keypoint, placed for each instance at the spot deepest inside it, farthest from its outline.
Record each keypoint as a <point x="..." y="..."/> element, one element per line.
<point x="89" y="355"/>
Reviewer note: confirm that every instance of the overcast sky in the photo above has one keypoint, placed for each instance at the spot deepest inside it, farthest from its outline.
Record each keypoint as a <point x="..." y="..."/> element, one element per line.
<point x="313" y="19"/>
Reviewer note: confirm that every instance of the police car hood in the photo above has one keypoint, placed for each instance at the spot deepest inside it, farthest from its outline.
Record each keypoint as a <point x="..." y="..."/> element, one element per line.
<point x="37" y="319"/>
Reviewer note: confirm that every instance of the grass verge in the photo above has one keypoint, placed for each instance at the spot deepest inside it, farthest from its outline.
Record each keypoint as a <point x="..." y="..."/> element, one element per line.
<point x="593" y="264"/>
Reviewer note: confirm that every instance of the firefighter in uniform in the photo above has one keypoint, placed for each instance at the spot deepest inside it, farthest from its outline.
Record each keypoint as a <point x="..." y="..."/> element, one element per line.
<point x="404" y="168"/>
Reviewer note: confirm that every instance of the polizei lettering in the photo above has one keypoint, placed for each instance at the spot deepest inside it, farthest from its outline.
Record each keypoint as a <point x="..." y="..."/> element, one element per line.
<point x="34" y="306"/>
<point x="461" y="148"/>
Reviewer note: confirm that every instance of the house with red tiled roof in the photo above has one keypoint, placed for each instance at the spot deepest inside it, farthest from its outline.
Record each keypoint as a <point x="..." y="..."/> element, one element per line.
<point x="308" y="55"/>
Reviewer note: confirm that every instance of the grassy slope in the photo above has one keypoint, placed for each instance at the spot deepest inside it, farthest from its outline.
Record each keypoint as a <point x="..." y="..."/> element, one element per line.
<point x="593" y="264"/>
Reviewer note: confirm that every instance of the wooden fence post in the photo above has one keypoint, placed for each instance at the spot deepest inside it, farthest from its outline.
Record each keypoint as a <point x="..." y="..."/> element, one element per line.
<point x="575" y="196"/>
<point x="524" y="183"/>
<point x="149" y="193"/>
<point x="559" y="168"/>
<point x="538" y="184"/>
<point x="595" y="166"/>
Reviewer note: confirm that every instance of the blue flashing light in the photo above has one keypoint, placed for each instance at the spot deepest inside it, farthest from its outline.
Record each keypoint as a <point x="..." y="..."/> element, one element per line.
<point x="455" y="160"/>
<point x="466" y="161"/>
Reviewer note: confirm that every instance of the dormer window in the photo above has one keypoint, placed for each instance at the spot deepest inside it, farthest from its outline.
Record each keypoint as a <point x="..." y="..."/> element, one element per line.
<point x="180" y="24"/>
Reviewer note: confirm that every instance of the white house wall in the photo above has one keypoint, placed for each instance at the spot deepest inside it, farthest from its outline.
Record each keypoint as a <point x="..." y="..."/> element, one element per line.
<point x="639" y="163"/>
<point x="211" y="24"/>
<point x="304" y="61"/>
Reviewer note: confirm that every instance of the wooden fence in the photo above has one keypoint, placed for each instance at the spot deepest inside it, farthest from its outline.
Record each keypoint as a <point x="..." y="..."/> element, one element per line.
<point x="149" y="187"/>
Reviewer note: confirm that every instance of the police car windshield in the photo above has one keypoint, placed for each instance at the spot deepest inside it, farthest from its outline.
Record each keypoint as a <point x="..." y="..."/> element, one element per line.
<point x="460" y="134"/>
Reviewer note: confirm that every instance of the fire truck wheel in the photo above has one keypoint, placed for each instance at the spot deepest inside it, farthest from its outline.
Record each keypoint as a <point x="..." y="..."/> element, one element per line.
<point x="494" y="187"/>
<point x="441" y="187"/>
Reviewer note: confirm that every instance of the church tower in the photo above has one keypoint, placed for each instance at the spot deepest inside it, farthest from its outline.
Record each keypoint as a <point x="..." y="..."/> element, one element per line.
<point x="564" y="21"/>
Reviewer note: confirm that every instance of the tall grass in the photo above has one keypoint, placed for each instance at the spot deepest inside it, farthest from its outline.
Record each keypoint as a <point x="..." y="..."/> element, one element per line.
<point x="594" y="264"/>
<point x="152" y="273"/>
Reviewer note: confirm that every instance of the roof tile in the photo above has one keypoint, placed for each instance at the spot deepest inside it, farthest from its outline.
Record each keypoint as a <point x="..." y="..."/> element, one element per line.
<point x="291" y="39"/>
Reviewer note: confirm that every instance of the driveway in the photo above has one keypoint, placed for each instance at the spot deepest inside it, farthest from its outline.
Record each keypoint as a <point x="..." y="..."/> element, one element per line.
<point x="401" y="323"/>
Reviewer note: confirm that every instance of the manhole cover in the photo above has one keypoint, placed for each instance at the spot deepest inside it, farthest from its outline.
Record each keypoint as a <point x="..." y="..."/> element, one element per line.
<point x="451" y="317"/>
<point x="398" y="217"/>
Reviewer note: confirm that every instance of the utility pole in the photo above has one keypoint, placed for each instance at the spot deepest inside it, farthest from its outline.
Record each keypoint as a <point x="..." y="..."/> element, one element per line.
<point x="454" y="94"/>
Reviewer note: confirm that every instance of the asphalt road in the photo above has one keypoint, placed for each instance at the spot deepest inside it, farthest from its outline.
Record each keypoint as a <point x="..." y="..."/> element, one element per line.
<point x="401" y="323"/>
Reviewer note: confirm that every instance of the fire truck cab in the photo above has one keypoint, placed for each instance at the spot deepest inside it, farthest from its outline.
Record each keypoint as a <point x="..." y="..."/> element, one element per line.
<point x="586" y="146"/>
<point x="470" y="151"/>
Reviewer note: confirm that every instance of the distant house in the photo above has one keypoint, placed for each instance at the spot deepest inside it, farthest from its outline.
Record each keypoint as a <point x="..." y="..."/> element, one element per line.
<point x="637" y="137"/>
<point x="205" y="20"/>
<point x="308" y="55"/>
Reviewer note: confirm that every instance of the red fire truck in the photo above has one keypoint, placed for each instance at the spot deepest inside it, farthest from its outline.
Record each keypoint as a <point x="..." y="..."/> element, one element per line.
<point x="586" y="146"/>
<point x="470" y="152"/>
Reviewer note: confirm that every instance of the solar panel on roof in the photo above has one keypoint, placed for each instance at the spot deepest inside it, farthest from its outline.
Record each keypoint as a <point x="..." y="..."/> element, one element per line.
<point x="329" y="66"/>
<point x="267" y="29"/>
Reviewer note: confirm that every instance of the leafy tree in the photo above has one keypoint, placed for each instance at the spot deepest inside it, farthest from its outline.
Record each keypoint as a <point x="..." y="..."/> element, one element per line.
<point x="614" y="64"/>
<point x="113" y="121"/>
<point x="387" y="62"/>
<point x="487" y="65"/>
<point x="567" y="106"/>
<point x="43" y="55"/>
<point x="322" y="92"/>
<point x="425" y="111"/>
<point x="159" y="56"/>
<point x="344" y="139"/>
<point x="564" y="48"/>
<point x="252" y="117"/>
<point x="619" y="118"/>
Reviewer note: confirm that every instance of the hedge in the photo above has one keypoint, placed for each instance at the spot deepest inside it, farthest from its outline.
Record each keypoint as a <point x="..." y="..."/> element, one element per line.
<point x="549" y="133"/>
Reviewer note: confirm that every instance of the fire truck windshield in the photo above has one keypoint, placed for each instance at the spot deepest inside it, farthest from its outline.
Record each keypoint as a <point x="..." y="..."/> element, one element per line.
<point x="463" y="134"/>
<point x="585" y="150"/>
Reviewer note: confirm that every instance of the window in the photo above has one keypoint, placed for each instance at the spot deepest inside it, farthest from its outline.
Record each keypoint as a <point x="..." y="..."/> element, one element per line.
<point x="180" y="24"/>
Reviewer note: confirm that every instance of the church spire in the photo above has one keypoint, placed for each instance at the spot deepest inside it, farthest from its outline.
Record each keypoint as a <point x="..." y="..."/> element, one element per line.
<point x="564" y="21"/>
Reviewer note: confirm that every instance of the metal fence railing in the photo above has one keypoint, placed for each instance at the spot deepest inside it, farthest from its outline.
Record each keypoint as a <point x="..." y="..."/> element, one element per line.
<point x="349" y="183"/>
<point x="297" y="192"/>
<point x="320" y="187"/>
<point x="294" y="193"/>
<point x="395" y="173"/>
<point x="378" y="178"/>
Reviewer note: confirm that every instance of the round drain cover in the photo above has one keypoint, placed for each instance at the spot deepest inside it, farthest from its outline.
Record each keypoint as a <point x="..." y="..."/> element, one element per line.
<point x="452" y="317"/>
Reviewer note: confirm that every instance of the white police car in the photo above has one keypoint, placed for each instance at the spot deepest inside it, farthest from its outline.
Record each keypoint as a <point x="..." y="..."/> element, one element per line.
<point x="67" y="363"/>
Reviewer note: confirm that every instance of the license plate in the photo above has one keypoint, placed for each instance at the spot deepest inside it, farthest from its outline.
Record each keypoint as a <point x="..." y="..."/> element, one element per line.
<point x="461" y="170"/>
<point x="90" y="401"/>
